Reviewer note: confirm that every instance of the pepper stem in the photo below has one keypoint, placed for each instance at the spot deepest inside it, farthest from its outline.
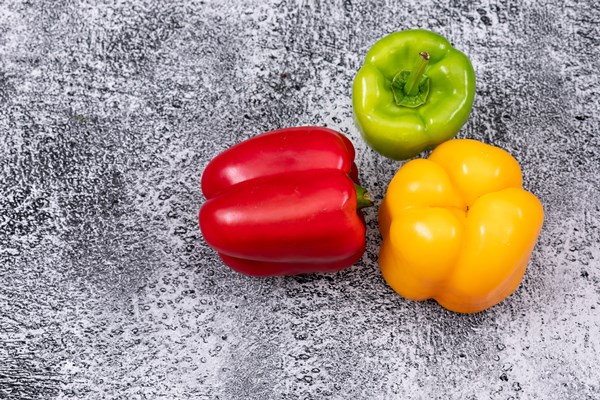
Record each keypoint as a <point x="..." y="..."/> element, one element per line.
<point x="412" y="85"/>
<point x="363" y="197"/>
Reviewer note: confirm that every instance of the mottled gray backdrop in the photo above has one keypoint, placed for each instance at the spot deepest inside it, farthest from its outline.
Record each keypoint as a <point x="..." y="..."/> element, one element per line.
<point x="109" y="112"/>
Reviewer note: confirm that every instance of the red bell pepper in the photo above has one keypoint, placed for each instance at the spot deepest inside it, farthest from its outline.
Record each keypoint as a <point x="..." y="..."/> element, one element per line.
<point x="285" y="202"/>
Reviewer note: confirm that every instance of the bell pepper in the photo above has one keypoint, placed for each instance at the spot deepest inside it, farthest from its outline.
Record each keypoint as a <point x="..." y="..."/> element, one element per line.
<point x="413" y="92"/>
<point x="285" y="202"/>
<point x="458" y="227"/>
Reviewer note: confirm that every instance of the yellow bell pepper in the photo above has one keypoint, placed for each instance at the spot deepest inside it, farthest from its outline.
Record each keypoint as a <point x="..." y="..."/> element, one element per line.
<point x="458" y="227"/>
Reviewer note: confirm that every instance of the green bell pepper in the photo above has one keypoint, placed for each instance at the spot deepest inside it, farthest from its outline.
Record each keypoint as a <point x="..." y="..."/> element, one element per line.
<point x="413" y="92"/>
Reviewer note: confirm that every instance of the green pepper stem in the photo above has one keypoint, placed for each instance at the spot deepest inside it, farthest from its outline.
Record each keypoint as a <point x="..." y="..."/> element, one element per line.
<point x="412" y="85"/>
<point x="363" y="197"/>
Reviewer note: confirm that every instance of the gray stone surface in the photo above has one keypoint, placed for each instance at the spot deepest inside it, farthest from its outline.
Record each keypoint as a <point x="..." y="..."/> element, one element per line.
<point x="109" y="112"/>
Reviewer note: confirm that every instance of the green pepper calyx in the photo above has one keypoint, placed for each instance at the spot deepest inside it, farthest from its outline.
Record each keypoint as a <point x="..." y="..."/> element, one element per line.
<point x="411" y="88"/>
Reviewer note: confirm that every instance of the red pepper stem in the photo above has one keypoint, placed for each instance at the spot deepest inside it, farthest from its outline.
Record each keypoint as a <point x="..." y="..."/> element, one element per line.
<point x="412" y="85"/>
<point x="363" y="197"/>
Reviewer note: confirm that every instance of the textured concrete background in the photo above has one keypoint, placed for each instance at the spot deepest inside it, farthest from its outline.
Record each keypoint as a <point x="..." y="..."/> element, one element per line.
<point x="109" y="112"/>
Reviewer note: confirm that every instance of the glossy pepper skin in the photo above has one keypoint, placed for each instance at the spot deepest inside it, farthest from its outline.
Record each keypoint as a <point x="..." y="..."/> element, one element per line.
<point x="458" y="227"/>
<point x="285" y="202"/>
<point x="396" y="124"/>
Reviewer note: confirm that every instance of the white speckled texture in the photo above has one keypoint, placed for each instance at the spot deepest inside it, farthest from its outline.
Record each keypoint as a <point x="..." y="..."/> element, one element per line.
<point x="109" y="112"/>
